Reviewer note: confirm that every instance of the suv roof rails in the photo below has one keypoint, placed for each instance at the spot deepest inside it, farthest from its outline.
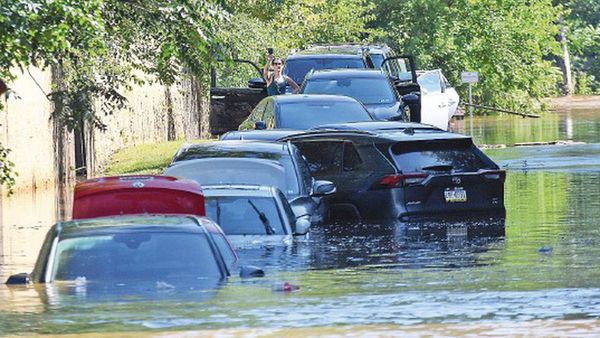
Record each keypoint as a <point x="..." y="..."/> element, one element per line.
<point x="327" y="131"/>
<point x="360" y="47"/>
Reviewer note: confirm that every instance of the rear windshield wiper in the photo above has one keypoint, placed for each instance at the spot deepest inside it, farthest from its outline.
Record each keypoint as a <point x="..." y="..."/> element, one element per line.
<point x="439" y="167"/>
<point x="265" y="221"/>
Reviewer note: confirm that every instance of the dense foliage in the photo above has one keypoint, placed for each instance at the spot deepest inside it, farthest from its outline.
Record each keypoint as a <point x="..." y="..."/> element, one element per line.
<point x="583" y="24"/>
<point x="508" y="42"/>
<point x="101" y="47"/>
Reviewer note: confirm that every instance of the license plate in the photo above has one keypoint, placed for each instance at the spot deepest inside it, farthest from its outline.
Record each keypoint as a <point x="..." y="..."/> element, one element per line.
<point x="457" y="194"/>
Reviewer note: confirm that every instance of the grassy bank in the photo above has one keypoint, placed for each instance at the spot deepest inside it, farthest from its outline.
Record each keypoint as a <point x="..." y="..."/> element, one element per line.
<point x="150" y="158"/>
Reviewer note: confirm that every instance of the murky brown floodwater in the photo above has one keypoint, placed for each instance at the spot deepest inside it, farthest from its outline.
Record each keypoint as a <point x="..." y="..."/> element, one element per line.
<point x="541" y="279"/>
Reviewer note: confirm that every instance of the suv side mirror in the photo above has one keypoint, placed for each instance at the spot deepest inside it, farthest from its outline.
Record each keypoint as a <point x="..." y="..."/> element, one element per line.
<point x="260" y="125"/>
<point x="257" y="82"/>
<point x="20" y="278"/>
<point x="410" y="99"/>
<point x="302" y="226"/>
<point x="250" y="271"/>
<point x="323" y="188"/>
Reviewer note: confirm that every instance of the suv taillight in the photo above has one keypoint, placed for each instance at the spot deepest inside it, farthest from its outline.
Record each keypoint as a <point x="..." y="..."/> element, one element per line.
<point x="493" y="174"/>
<point x="399" y="180"/>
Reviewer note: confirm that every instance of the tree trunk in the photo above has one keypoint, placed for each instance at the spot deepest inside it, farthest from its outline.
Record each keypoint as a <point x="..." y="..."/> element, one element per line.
<point x="565" y="62"/>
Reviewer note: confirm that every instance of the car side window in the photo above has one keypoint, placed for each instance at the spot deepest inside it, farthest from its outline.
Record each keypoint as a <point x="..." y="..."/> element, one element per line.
<point x="257" y="112"/>
<point x="323" y="157"/>
<point x="268" y="115"/>
<point x="255" y="115"/>
<point x="289" y="213"/>
<point x="225" y="249"/>
<point x="446" y="82"/>
<point x="304" y="169"/>
<point x="430" y="82"/>
<point x="352" y="159"/>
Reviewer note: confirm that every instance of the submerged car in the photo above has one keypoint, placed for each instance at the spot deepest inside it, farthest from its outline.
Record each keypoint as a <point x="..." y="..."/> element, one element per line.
<point x="304" y="112"/>
<point x="150" y="250"/>
<point x="137" y="194"/>
<point x="402" y="173"/>
<point x="253" y="211"/>
<point x="261" y="163"/>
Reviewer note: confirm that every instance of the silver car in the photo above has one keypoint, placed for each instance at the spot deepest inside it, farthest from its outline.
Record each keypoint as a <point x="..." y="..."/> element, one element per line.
<point x="253" y="213"/>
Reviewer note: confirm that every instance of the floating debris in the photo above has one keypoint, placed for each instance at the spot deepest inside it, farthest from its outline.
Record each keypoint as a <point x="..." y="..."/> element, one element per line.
<point x="547" y="143"/>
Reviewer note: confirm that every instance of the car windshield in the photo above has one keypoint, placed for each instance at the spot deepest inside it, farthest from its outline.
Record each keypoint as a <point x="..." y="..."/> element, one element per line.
<point x="236" y="216"/>
<point x="298" y="68"/>
<point x="365" y="90"/>
<point x="433" y="156"/>
<point x="305" y="115"/>
<point x="135" y="256"/>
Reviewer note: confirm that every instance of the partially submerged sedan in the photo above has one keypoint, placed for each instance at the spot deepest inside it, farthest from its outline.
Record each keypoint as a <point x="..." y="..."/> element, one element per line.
<point x="156" y="251"/>
<point x="261" y="163"/>
<point x="249" y="212"/>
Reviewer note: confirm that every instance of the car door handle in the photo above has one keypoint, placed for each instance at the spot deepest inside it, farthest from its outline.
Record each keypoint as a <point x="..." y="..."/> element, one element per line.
<point x="217" y="97"/>
<point x="452" y="102"/>
<point x="442" y="105"/>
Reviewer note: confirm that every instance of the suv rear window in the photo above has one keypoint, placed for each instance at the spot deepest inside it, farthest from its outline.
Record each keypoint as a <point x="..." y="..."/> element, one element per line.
<point x="446" y="155"/>
<point x="306" y="115"/>
<point x="298" y="68"/>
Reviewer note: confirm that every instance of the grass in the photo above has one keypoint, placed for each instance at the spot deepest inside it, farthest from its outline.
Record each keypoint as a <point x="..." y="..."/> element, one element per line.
<point x="150" y="158"/>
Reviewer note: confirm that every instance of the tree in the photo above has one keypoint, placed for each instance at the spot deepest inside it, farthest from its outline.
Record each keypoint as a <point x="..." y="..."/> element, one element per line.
<point x="507" y="42"/>
<point x="99" y="44"/>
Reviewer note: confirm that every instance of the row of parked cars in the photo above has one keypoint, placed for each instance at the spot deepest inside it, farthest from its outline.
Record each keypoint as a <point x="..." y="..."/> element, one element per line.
<point x="388" y="85"/>
<point x="297" y="161"/>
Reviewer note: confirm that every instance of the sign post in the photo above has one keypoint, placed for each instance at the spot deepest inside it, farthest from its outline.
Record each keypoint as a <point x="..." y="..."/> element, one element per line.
<point x="470" y="78"/>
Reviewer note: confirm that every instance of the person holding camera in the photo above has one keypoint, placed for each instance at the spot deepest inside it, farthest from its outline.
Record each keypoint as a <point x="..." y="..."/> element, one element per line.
<point x="276" y="81"/>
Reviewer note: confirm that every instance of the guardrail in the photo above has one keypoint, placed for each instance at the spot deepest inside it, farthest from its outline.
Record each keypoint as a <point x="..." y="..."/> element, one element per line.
<point x="478" y="106"/>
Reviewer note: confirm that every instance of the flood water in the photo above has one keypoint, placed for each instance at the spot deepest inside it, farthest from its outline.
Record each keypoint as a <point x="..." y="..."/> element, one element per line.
<point x="535" y="273"/>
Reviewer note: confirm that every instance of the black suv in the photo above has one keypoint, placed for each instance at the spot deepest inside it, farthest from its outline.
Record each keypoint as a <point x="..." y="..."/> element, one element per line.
<point x="399" y="170"/>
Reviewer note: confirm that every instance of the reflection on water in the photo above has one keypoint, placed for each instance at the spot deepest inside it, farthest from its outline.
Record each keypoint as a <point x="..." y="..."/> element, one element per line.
<point x="574" y="125"/>
<point x="536" y="272"/>
<point x="25" y="218"/>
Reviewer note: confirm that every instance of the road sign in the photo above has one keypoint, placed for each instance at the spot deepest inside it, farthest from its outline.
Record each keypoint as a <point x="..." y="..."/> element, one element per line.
<point x="469" y="77"/>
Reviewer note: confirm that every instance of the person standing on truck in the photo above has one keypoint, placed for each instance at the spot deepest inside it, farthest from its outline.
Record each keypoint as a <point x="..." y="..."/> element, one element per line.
<point x="276" y="81"/>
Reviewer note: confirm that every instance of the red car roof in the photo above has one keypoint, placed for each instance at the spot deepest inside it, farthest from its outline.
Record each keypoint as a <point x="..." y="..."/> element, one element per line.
<point x="135" y="194"/>
<point x="104" y="184"/>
